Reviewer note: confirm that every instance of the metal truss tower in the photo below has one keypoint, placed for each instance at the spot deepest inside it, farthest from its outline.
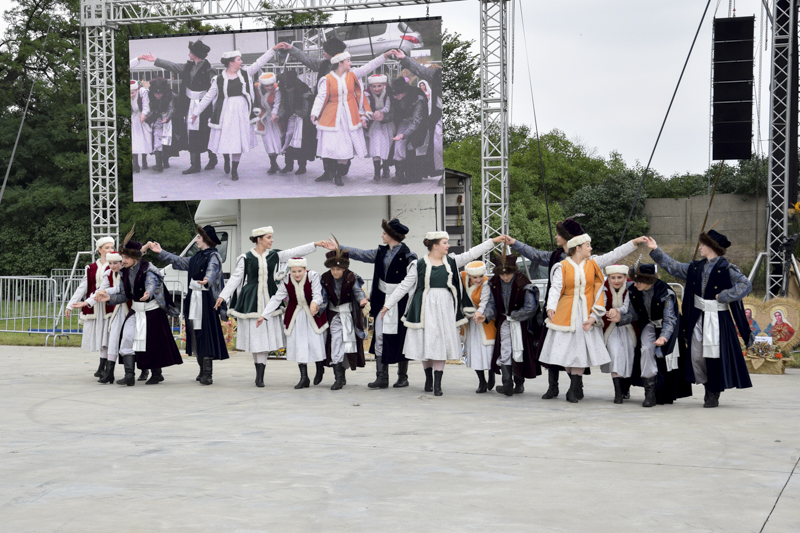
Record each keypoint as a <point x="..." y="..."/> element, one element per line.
<point x="100" y="18"/>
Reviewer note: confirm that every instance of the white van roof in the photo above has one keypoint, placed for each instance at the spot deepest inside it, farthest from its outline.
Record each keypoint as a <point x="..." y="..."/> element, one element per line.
<point x="217" y="212"/>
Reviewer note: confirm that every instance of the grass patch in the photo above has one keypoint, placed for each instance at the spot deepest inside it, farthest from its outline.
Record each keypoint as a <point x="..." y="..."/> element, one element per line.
<point x="37" y="339"/>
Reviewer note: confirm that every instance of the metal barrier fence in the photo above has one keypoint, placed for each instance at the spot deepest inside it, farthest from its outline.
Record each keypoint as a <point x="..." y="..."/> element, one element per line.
<point x="27" y="304"/>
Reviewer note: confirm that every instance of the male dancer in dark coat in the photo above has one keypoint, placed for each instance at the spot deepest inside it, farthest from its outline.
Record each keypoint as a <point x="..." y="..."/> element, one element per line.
<point x="391" y="261"/>
<point x="195" y="75"/>
<point x="713" y="297"/>
<point x="162" y="111"/>
<point x="153" y="347"/>
<point x="204" y="337"/>
<point x="513" y="299"/>
<point x="296" y="101"/>
<point x="565" y="230"/>
<point x="342" y="299"/>
<point x="410" y="115"/>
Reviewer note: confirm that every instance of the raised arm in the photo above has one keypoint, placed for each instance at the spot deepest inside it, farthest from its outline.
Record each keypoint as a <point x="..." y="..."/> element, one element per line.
<point x="530" y="253"/>
<point x="265" y="58"/>
<point x="617" y="254"/>
<point x="297" y="251"/>
<point x="679" y="270"/>
<point x="301" y="57"/>
<point x="473" y="253"/>
<point x="177" y="68"/>
<point x="369" y="67"/>
<point x="177" y="262"/>
<point x="408" y="283"/>
<point x="364" y="256"/>
<point x="425" y="73"/>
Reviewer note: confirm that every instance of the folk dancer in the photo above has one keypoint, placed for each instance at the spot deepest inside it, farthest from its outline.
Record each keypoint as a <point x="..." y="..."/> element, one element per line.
<point x="620" y="338"/>
<point x="479" y="335"/>
<point x="381" y="128"/>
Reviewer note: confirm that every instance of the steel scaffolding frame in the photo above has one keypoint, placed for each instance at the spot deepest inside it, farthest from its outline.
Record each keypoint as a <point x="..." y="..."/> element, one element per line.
<point x="100" y="18"/>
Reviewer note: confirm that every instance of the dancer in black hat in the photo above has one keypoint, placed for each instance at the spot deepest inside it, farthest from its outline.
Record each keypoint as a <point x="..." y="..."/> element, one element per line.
<point x="714" y="292"/>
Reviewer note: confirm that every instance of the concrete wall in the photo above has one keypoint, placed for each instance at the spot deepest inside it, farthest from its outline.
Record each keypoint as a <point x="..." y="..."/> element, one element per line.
<point x="679" y="220"/>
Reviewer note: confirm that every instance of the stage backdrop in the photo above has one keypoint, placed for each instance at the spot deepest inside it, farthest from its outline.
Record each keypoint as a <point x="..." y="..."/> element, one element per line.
<point x="269" y="109"/>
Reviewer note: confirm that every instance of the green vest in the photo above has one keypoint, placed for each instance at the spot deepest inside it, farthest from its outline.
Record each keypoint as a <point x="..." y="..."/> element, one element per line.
<point x="246" y="304"/>
<point x="441" y="278"/>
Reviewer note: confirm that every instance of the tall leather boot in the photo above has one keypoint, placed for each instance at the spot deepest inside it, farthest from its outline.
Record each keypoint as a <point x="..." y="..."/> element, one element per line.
<point x="143" y="375"/>
<point x="135" y="162"/>
<point x="519" y="382"/>
<point x="273" y="164"/>
<point x="481" y="382"/>
<point x="579" y="392"/>
<point x="200" y="370"/>
<point x="195" y="167"/>
<point x="260" y="367"/>
<point x="552" y="384"/>
<point x="227" y="166"/>
<point x="144" y="162"/>
<point x="212" y="161"/>
<point x="712" y="398"/>
<point x="129" y="361"/>
<point x="208" y="370"/>
<point x="338" y="372"/>
<point x="377" y="165"/>
<point x="234" y="170"/>
<point x="626" y="388"/>
<point x="402" y="375"/>
<point x="165" y="160"/>
<point x="155" y="378"/>
<point x="399" y="172"/>
<point x="159" y="167"/>
<point x="108" y="377"/>
<point x="327" y="175"/>
<point x="617" y="390"/>
<point x="320" y="372"/>
<point x="437" y="382"/>
<point x="288" y="165"/>
<point x="344" y="374"/>
<point x="101" y="368"/>
<point x="507" y="379"/>
<point x="338" y="172"/>
<point x="381" y="375"/>
<point x="304" y="381"/>
<point x="301" y="167"/>
<point x="429" y="379"/>
<point x="574" y="385"/>
<point x="649" y="391"/>
<point x="490" y="381"/>
<point x="385" y="173"/>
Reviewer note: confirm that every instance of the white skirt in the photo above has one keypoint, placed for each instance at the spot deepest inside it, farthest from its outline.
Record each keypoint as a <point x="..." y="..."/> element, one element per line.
<point x="575" y="349"/>
<point x="268" y="338"/>
<point x="294" y="133"/>
<point x="438" y="339"/>
<point x="141" y="136"/>
<point x="271" y="136"/>
<point x="620" y="347"/>
<point x="479" y="356"/>
<point x="342" y="144"/>
<point x="380" y="138"/>
<point x="304" y="345"/>
<point x="95" y="332"/>
<point x="115" y="335"/>
<point x="235" y="134"/>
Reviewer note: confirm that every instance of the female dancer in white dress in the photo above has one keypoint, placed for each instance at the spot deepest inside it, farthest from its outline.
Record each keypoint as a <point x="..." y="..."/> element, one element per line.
<point x="479" y="336"/>
<point x="231" y="123"/>
<point x="434" y="312"/>
<point x="575" y="308"/>
<point x="620" y="340"/>
<point x="267" y="127"/>
<point x="141" y="134"/>
<point x="95" y="332"/>
<point x="254" y="281"/>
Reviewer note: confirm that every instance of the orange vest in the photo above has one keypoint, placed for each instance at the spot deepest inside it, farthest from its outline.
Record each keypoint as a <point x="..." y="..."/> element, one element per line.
<point x="489" y="328"/>
<point x="352" y="91"/>
<point x="580" y="287"/>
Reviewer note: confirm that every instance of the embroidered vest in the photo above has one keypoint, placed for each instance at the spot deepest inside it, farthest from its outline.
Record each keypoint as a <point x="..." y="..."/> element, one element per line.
<point x="474" y="294"/>
<point x="247" y="300"/>
<point x="580" y="286"/>
<point x="351" y="91"/>
<point x="321" y="321"/>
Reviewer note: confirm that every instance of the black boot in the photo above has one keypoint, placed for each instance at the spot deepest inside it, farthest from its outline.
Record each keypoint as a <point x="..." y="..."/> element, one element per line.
<point x="711" y="398"/>
<point x="338" y="172"/>
<point x="301" y="168"/>
<point x="273" y="164"/>
<point x="519" y="381"/>
<point x="579" y="392"/>
<point x="344" y="374"/>
<point x="101" y="368"/>
<point x="385" y="174"/>
<point x="108" y="377"/>
<point x="381" y="375"/>
<point x="200" y="372"/>
<point x="327" y="175"/>
<point x="212" y="161"/>
<point x="289" y="165"/>
<point x="507" y="379"/>
<point x="234" y="171"/>
<point x="429" y="379"/>
<point x="260" y="374"/>
<point x="195" y="167"/>
<point x="552" y="388"/>
<point x="490" y="381"/>
<point x="481" y="382"/>
<point x="649" y="391"/>
<point x="617" y="390"/>
<point x="399" y="172"/>
<point x="156" y="378"/>
<point x="144" y="162"/>
<point x="402" y="375"/>
<point x="338" y="372"/>
<point x="135" y="161"/>
<point x="626" y="388"/>
<point x="437" y="382"/>
<point x="320" y="372"/>
<point x="143" y="375"/>
<point x="159" y="167"/>
<point x="129" y="361"/>
<point x="377" y="165"/>
<point x="208" y="367"/>
<point x="574" y="384"/>
<point x="165" y="160"/>
<point x="304" y="381"/>
<point x="227" y="166"/>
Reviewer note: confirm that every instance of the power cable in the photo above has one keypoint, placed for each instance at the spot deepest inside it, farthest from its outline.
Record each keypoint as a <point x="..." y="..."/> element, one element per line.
<point x="672" y="100"/>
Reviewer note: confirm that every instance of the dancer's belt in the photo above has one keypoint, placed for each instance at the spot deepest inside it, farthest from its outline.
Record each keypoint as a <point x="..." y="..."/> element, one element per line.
<point x="194" y="105"/>
<point x="348" y="327"/>
<point x="196" y="304"/>
<point x="711" y="335"/>
<point x="517" y="346"/>
<point x="672" y="358"/>
<point x="392" y="318"/>
<point x="140" y="335"/>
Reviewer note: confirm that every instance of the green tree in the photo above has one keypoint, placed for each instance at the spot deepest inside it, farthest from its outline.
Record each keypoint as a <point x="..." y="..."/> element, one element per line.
<point x="461" y="89"/>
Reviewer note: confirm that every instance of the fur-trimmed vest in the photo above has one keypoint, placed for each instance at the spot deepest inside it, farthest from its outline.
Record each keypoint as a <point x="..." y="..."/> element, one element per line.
<point x="338" y="88"/>
<point x="227" y="88"/>
<point x="581" y="285"/>
<point x="614" y="300"/>
<point x="260" y="272"/>
<point x="472" y="294"/>
<point x="300" y="297"/>
<point x="415" y="315"/>
<point x="94" y="278"/>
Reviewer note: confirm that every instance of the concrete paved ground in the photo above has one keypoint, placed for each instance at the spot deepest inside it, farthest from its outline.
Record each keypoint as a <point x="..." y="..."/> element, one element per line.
<point x="79" y="456"/>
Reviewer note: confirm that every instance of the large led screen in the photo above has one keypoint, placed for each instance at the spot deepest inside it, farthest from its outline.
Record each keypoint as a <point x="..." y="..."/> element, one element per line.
<point x="352" y="110"/>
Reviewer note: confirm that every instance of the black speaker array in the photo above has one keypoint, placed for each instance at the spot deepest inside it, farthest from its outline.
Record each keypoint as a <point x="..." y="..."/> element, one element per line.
<point x="733" y="88"/>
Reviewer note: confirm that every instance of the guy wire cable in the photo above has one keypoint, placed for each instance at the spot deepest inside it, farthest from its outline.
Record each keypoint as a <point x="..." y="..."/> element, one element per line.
<point x="660" y="131"/>
<point x="536" y="126"/>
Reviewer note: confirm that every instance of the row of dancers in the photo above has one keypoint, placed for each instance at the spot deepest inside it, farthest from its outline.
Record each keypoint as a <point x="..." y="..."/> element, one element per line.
<point x="597" y="312"/>
<point x="395" y="124"/>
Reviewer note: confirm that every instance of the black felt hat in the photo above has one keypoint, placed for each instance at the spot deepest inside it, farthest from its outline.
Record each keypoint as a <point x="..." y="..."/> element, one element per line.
<point x="334" y="46"/>
<point x="644" y="273"/>
<point x="209" y="234"/>
<point x="505" y="264"/>
<point x="568" y="229"/>
<point x="199" y="48"/>
<point x="395" y="229"/>
<point x="400" y="86"/>
<point x="716" y="241"/>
